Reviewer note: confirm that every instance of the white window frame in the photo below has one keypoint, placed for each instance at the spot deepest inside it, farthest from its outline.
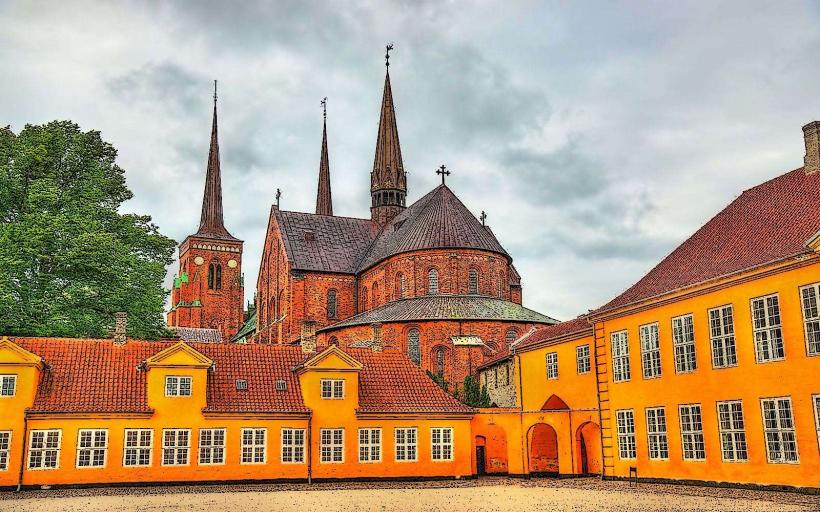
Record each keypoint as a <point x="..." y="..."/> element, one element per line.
<point x="583" y="364"/>
<point x="5" y="449"/>
<point x="683" y="339"/>
<point x="403" y="444"/>
<point x="810" y="305"/>
<point x="619" y="346"/>
<point x="441" y="448"/>
<point x="657" y="433"/>
<point x="330" y="445"/>
<point x="732" y="430"/>
<point x="625" y="423"/>
<point x="768" y="334"/>
<point x="552" y="366"/>
<point x="45" y="449"/>
<point x="176" y="448"/>
<point x="370" y="445"/>
<point x="722" y="336"/>
<point x="174" y="386"/>
<point x="4" y="388"/>
<point x="212" y="448"/>
<point x="649" y="335"/>
<point x="92" y="448"/>
<point x="332" y="389"/>
<point x="293" y="445"/>
<point x="693" y="443"/>
<point x="250" y="447"/>
<point x="782" y="430"/>
<point x="815" y="402"/>
<point x="138" y="448"/>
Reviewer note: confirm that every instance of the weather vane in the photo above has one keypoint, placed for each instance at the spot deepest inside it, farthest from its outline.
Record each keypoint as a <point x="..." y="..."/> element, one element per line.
<point x="443" y="172"/>
<point x="324" y="107"/>
<point x="387" y="54"/>
<point x="483" y="218"/>
<point x="278" y="195"/>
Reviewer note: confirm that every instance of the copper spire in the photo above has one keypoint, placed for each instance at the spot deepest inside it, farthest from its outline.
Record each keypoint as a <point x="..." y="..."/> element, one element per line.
<point x="324" y="201"/>
<point x="211" y="223"/>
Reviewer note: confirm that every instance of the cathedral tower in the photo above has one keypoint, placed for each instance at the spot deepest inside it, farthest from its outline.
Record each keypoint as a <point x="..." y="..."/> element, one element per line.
<point x="324" y="200"/>
<point x="208" y="291"/>
<point x="388" y="181"/>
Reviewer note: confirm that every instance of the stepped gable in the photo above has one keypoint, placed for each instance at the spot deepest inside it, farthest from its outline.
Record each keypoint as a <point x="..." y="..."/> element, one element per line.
<point x="439" y="220"/>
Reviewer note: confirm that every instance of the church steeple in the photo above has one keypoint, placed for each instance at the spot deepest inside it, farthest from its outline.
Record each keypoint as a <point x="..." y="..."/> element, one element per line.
<point x="211" y="223"/>
<point x="324" y="201"/>
<point x="388" y="181"/>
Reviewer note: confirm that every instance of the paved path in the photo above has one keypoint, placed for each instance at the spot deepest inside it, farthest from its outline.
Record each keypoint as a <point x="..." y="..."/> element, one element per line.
<point x="468" y="496"/>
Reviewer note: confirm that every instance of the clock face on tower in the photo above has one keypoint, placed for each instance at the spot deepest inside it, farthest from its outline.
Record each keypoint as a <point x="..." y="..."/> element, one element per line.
<point x="199" y="260"/>
<point x="232" y="263"/>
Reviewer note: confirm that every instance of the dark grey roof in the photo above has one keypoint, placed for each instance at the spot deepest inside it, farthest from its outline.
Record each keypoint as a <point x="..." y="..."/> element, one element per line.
<point x="196" y="334"/>
<point x="248" y="328"/>
<point x="446" y="307"/>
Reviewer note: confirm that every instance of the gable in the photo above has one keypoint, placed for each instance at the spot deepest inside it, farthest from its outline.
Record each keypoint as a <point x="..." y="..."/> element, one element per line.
<point x="332" y="358"/>
<point x="178" y="355"/>
<point x="12" y="354"/>
<point x="554" y="403"/>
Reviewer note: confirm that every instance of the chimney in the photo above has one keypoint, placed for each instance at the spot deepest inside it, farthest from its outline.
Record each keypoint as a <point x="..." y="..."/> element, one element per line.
<point x="377" y="337"/>
<point x="120" y="324"/>
<point x="811" y="135"/>
<point x="308" y="337"/>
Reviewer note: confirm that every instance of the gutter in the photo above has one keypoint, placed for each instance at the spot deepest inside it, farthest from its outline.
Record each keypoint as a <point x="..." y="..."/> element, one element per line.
<point x="23" y="452"/>
<point x="310" y="448"/>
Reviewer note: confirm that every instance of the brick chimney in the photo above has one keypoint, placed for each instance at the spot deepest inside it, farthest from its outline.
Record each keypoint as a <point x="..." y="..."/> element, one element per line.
<point x="377" y="337"/>
<point x="308" y="338"/>
<point x="120" y="325"/>
<point x="811" y="134"/>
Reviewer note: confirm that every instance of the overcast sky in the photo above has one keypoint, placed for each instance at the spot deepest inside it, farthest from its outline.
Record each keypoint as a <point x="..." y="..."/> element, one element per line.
<point x="596" y="135"/>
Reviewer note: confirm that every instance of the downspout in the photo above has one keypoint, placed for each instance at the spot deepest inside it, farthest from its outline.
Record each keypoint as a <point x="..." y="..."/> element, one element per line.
<point x="310" y="448"/>
<point x="23" y="452"/>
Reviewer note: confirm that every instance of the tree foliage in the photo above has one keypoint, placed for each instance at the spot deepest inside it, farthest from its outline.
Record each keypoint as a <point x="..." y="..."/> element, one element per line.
<point x="68" y="259"/>
<point x="468" y="392"/>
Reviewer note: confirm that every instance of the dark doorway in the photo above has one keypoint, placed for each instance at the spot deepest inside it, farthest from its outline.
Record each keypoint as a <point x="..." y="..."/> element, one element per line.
<point x="584" y="463"/>
<point x="480" y="461"/>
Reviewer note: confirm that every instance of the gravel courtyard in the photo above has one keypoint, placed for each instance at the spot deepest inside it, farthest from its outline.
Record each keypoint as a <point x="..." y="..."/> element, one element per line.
<point x="472" y="495"/>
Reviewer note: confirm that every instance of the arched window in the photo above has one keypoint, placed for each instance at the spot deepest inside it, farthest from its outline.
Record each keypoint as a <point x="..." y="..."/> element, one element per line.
<point x="413" y="348"/>
<point x="363" y="299"/>
<point x="400" y="286"/>
<point x="375" y="295"/>
<point x="331" y="303"/>
<point x="215" y="276"/>
<point x="472" y="285"/>
<point x="432" y="282"/>
<point x="438" y="357"/>
<point x="511" y="336"/>
<point x="333" y="341"/>
<point x="500" y="284"/>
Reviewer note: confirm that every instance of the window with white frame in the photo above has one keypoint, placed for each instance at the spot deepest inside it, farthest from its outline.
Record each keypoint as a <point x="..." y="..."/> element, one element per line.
<point x="620" y="356"/>
<point x="293" y="445"/>
<point x="332" y="447"/>
<point x="176" y="446"/>
<point x="552" y="365"/>
<point x="211" y="446"/>
<point x="370" y="445"/>
<point x="333" y="389"/>
<point x="139" y="443"/>
<point x="582" y="362"/>
<point x="8" y="385"/>
<point x="767" y="331"/>
<point x="406" y="444"/>
<point x="650" y="351"/>
<point x="732" y="431"/>
<point x="778" y="424"/>
<point x="254" y="442"/>
<point x="44" y="449"/>
<point x="722" y="334"/>
<point x="442" y="443"/>
<point x="625" y="420"/>
<point x="656" y="433"/>
<point x="177" y="386"/>
<point x="5" y="447"/>
<point x="92" y="448"/>
<point x="683" y="336"/>
<point x="816" y="402"/>
<point x="810" y="299"/>
<point x="691" y="429"/>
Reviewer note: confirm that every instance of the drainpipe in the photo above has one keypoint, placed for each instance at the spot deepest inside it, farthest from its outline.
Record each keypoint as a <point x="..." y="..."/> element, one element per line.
<point x="310" y="448"/>
<point x="23" y="452"/>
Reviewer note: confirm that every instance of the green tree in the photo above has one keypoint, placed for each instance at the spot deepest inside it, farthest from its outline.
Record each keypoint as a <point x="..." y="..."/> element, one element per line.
<point x="68" y="259"/>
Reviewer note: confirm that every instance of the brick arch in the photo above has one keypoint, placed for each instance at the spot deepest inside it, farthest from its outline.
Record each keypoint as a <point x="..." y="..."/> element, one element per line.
<point x="433" y="280"/>
<point x="445" y="359"/>
<point x="472" y="268"/>
<point x="406" y="342"/>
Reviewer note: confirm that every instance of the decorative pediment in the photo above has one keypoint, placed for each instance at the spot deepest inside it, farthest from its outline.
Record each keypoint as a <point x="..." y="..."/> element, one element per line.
<point x="179" y="355"/>
<point x="331" y="359"/>
<point x="554" y="403"/>
<point x="813" y="243"/>
<point x="12" y="354"/>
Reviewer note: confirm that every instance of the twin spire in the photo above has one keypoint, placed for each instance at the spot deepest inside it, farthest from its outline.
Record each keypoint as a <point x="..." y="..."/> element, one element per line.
<point x="324" y="200"/>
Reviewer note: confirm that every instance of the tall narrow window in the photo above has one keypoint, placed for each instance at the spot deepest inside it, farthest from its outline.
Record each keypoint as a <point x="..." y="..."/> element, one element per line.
<point x="293" y="445"/>
<point x="442" y="443"/>
<point x="211" y="276"/>
<point x="732" y="431"/>
<point x="552" y="365"/>
<point x="620" y="356"/>
<point x="211" y="446"/>
<point x="215" y="276"/>
<point x="5" y="447"/>
<point x="138" y="447"/>
<point x="406" y="439"/>
<point x="683" y="335"/>
<point x="439" y="358"/>
<point x="363" y="299"/>
<point x="400" y="286"/>
<point x="218" y="277"/>
<point x="254" y="444"/>
<point x="625" y="419"/>
<point x="370" y="445"/>
<point x="375" y="297"/>
<point x="472" y="285"/>
<point x="510" y="336"/>
<point x="767" y="331"/>
<point x="810" y="298"/>
<point x="413" y="348"/>
<point x="92" y="448"/>
<point x="582" y="363"/>
<point x="44" y="449"/>
<point x="176" y="444"/>
<point x="331" y="304"/>
<point x="332" y="445"/>
<point x="778" y="423"/>
<point x="691" y="429"/>
<point x="722" y="333"/>
<point x="816" y="402"/>
<point x="656" y="433"/>
<point x="432" y="282"/>
<point x="650" y="351"/>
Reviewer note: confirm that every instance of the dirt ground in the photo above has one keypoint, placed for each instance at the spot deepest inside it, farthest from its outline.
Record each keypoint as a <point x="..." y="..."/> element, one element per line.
<point x="473" y="495"/>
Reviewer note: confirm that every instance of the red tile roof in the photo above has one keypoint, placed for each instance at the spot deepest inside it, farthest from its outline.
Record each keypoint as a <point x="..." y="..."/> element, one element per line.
<point x="576" y="327"/>
<point x="767" y="223"/>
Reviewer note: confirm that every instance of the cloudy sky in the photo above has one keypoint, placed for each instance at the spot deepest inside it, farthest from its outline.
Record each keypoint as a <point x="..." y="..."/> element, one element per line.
<point x="596" y="135"/>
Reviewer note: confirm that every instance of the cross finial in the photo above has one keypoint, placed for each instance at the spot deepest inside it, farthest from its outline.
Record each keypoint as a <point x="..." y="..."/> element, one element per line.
<point x="443" y="172"/>
<point x="483" y="218"/>
<point x="214" y="91"/>
<point x="324" y="107"/>
<point x="278" y="195"/>
<point x="387" y="54"/>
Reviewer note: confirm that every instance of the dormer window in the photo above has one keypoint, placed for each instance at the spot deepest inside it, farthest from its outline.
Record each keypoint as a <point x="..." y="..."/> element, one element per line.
<point x="178" y="386"/>
<point x="310" y="236"/>
<point x="333" y="389"/>
<point x="8" y="385"/>
<point x="241" y="384"/>
<point x="281" y="385"/>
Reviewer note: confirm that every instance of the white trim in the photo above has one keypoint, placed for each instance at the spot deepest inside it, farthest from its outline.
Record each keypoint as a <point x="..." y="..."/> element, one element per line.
<point x="176" y="388"/>
<point x="406" y="445"/>
<point x="442" y="444"/>
<point x="13" y="378"/>
<point x="579" y="358"/>
<point x="769" y="328"/>
<point x="211" y="447"/>
<point x="647" y="335"/>
<point x="175" y="447"/>
<point x="683" y="338"/>
<point x="815" y="287"/>
<point x="292" y="445"/>
<point x="626" y="450"/>
<point x="736" y="433"/>
<point x="332" y="445"/>
<point x="332" y="390"/>
<point x="253" y="446"/>
<point x="694" y="432"/>
<point x="724" y="338"/>
<point x="622" y="357"/>
<point x="653" y="429"/>
<point x="779" y="429"/>
<point x="551" y="365"/>
<point x="138" y="447"/>
<point x="7" y="450"/>
<point x="369" y="445"/>
<point x="91" y="448"/>
<point x="58" y="449"/>
<point x="815" y="403"/>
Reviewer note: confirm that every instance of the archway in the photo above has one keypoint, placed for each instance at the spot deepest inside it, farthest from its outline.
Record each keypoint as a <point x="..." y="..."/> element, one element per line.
<point x="543" y="449"/>
<point x="588" y="448"/>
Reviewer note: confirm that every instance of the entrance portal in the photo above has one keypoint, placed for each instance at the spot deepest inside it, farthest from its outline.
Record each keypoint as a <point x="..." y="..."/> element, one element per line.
<point x="543" y="449"/>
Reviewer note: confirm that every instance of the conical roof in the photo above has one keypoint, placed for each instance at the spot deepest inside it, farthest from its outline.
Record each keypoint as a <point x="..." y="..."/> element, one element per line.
<point x="211" y="224"/>
<point x="324" y="200"/>
<point x="388" y="167"/>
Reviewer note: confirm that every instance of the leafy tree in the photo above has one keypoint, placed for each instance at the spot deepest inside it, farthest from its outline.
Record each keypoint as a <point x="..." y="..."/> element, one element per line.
<point x="68" y="259"/>
<point x="469" y="392"/>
